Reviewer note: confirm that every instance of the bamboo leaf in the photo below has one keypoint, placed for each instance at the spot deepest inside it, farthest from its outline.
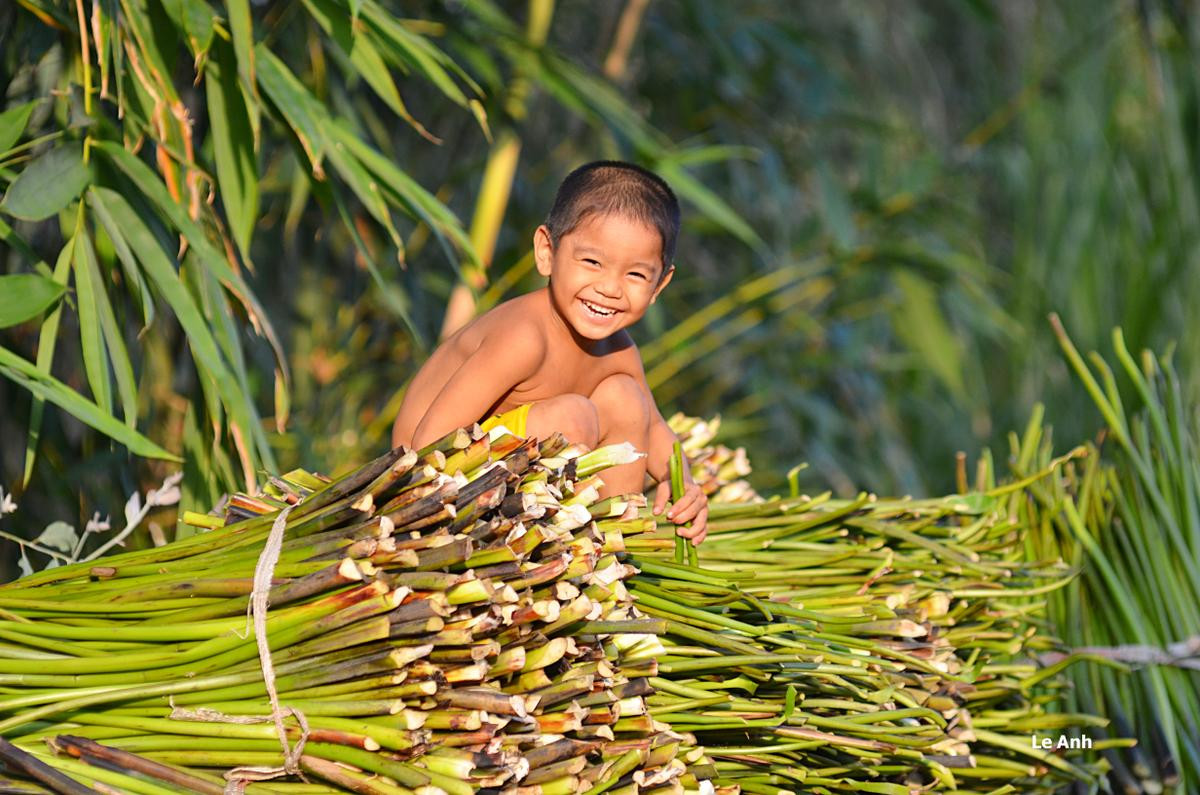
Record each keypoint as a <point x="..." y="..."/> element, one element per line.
<point x="91" y="339"/>
<point x="152" y="50"/>
<point x="48" y="184"/>
<point x="128" y="260"/>
<point x="194" y="19"/>
<point x="710" y="204"/>
<point x="51" y="389"/>
<point x="393" y="297"/>
<point x="410" y="194"/>
<point x="114" y="341"/>
<point x="363" y="55"/>
<point x="199" y="486"/>
<point x="162" y="273"/>
<point x="233" y="146"/>
<point x="361" y="182"/>
<point x="297" y="106"/>
<point x="154" y="190"/>
<point x="215" y="303"/>
<point x="241" y="30"/>
<point x="409" y="49"/>
<point x="24" y="296"/>
<point x="13" y="122"/>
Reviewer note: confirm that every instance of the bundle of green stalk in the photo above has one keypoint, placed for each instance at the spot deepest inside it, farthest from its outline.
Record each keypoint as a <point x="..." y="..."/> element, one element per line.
<point x="1128" y="516"/>
<point x="449" y="620"/>
<point x="866" y="645"/>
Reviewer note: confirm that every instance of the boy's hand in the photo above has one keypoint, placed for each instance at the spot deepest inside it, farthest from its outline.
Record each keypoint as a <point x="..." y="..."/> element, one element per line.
<point x="692" y="506"/>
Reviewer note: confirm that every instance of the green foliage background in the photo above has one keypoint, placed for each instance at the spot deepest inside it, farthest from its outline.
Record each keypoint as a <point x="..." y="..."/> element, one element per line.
<point x="883" y="202"/>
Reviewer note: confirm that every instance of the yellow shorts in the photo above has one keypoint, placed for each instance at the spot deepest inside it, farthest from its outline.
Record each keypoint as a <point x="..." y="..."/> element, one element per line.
<point x="513" y="419"/>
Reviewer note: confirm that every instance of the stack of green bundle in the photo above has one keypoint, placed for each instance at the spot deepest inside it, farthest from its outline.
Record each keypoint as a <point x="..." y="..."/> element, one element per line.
<point x="466" y="618"/>
<point x="866" y="645"/>
<point x="449" y="620"/>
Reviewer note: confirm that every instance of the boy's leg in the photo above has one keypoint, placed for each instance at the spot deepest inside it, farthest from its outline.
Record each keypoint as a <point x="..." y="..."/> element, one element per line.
<point x="624" y="416"/>
<point x="574" y="416"/>
<point x="615" y="412"/>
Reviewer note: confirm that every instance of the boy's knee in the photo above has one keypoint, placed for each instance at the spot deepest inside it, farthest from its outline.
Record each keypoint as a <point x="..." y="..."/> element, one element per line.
<point x="574" y="416"/>
<point x="621" y="401"/>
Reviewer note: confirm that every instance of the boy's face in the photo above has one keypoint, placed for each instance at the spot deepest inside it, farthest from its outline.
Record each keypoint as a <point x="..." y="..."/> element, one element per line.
<point x="603" y="274"/>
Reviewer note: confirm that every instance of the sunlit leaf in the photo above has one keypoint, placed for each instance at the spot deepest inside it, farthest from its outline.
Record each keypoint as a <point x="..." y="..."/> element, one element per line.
<point x="409" y="193"/>
<point x="416" y="52"/>
<point x="393" y="298"/>
<point x="26" y="295"/>
<point x="48" y="184"/>
<point x="710" y="204"/>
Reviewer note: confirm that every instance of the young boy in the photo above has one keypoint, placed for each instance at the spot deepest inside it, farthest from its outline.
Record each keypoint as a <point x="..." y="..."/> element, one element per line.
<point x="559" y="358"/>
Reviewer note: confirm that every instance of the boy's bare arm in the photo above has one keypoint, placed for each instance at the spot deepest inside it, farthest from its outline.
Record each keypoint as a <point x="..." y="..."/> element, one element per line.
<point x="693" y="505"/>
<point x="501" y="362"/>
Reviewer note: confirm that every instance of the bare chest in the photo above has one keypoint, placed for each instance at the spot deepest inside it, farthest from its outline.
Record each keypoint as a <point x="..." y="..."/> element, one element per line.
<point x="562" y="374"/>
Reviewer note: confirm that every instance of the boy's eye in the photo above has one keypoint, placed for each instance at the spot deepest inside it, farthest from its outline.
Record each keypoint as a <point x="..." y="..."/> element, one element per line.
<point x="638" y="275"/>
<point x="592" y="262"/>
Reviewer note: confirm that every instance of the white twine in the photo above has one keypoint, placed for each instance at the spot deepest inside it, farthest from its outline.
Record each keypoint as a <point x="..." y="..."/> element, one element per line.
<point x="264" y="573"/>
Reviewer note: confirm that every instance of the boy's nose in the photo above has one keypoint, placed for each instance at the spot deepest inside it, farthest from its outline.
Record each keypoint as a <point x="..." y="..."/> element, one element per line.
<point x="609" y="288"/>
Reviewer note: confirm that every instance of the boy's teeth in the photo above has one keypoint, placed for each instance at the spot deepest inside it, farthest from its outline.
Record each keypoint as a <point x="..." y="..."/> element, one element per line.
<point x="599" y="310"/>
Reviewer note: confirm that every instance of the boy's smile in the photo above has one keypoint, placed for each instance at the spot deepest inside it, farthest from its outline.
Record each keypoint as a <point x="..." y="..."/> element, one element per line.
<point x="603" y="274"/>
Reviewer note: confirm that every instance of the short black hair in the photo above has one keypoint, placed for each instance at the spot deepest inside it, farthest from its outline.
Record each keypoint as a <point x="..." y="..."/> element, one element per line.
<point x="612" y="186"/>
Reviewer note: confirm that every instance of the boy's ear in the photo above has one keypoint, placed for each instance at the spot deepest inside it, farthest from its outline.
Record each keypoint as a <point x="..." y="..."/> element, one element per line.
<point x="663" y="281"/>
<point x="543" y="250"/>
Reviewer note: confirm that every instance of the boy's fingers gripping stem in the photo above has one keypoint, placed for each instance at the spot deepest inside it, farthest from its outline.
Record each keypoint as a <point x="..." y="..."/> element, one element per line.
<point x="661" y="496"/>
<point x="684" y="553"/>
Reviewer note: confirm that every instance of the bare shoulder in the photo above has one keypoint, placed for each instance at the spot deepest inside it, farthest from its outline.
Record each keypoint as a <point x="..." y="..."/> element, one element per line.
<point x="509" y="330"/>
<point x="625" y="356"/>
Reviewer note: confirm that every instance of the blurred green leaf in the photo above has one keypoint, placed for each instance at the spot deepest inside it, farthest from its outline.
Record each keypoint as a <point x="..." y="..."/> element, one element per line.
<point x="835" y="208"/>
<point x="416" y="52"/>
<point x="48" y="184"/>
<point x="128" y="262"/>
<point x="921" y="324"/>
<point x="13" y="122"/>
<point x="410" y="194"/>
<point x="24" y="296"/>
